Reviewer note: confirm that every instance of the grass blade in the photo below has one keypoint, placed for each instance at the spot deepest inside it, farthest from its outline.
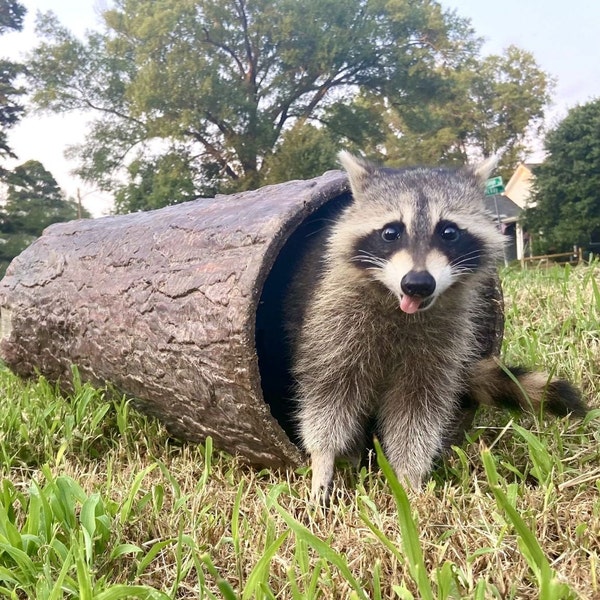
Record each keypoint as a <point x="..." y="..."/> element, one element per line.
<point x="260" y="572"/>
<point x="408" y="528"/>
<point x="135" y="488"/>
<point x="543" y="464"/>
<point x="223" y="585"/>
<point x="550" y="587"/>
<point x="124" y="592"/>
<point x="322" y="548"/>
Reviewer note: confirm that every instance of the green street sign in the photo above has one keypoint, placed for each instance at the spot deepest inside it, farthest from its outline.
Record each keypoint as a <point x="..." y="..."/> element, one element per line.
<point x="493" y="186"/>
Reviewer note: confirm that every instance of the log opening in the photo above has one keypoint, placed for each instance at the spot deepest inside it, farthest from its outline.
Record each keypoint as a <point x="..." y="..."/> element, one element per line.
<point x="272" y="346"/>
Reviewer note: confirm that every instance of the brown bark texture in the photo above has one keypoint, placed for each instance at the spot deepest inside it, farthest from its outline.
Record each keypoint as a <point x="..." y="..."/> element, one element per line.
<point x="163" y="305"/>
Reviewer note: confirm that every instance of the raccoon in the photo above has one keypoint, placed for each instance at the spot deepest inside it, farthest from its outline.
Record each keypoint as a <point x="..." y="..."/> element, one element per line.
<point x="382" y="320"/>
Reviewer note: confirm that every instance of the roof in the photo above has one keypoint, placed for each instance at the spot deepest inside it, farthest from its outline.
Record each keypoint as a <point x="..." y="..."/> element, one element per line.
<point x="502" y="206"/>
<point x="518" y="188"/>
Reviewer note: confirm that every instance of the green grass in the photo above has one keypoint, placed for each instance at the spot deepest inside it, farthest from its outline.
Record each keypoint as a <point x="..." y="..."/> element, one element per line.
<point x="96" y="502"/>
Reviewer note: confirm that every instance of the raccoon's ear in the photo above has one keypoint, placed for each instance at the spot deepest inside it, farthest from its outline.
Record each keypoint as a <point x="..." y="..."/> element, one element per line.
<point x="358" y="169"/>
<point x="485" y="168"/>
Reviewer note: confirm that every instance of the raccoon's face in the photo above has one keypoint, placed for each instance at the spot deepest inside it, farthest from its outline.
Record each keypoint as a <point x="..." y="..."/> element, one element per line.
<point x="419" y="265"/>
<point x="418" y="232"/>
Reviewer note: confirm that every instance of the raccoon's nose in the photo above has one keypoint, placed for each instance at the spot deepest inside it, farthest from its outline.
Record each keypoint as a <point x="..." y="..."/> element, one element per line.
<point x="418" y="283"/>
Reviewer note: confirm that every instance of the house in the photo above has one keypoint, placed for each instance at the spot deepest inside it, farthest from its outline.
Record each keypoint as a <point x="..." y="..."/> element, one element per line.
<point x="506" y="213"/>
<point x="507" y="208"/>
<point x="518" y="189"/>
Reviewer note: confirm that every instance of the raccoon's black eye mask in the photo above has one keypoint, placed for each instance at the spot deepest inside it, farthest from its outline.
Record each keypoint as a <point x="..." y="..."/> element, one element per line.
<point x="462" y="249"/>
<point x="448" y="231"/>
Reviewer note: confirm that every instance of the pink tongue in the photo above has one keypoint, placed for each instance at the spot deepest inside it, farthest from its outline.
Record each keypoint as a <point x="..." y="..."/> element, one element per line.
<point x="410" y="305"/>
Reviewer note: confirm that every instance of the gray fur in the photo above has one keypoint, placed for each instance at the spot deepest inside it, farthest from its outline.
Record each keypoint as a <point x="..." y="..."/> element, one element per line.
<point x="356" y="354"/>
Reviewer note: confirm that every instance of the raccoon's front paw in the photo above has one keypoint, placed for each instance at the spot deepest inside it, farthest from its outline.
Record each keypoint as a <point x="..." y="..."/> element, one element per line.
<point x="322" y="477"/>
<point x="411" y="479"/>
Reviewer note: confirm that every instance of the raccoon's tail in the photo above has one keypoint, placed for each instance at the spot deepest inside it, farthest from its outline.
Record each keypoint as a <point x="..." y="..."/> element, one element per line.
<point x="494" y="385"/>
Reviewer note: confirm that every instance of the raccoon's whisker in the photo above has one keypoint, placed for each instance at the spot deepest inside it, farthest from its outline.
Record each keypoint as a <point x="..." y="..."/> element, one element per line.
<point x="460" y="272"/>
<point x="476" y="251"/>
<point x="323" y="225"/>
<point x="325" y="220"/>
<point x="468" y="256"/>
<point x="464" y="270"/>
<point x="367" y="257"/>
<point x="317" y="231"/>
<point x="364" y="253"/>
<point x="464" y="264"/>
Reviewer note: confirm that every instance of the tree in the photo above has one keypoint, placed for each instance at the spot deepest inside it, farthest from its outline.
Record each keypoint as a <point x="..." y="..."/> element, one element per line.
<point x="567" y="185"/>
<point x="227" y="78"/>
<point x="510" y="94"/>
<point x="231" y="83"/>
<point x="11" y="18"/>
<point x="169" y="176"/>
<point x="493" y="104"/>
<point x="303" y="152"/>
<point x="34" y="201"/>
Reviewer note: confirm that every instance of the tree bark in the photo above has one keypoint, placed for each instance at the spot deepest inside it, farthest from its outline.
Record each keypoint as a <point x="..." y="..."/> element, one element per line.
<point x="163" y="306"/>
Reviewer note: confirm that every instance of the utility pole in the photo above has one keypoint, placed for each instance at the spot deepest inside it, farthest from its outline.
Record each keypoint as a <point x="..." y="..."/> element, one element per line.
<point x="79" y="203"/>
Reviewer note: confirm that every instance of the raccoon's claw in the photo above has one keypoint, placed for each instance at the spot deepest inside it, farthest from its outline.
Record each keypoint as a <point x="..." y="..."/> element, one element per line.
<point x="321" y="496"/>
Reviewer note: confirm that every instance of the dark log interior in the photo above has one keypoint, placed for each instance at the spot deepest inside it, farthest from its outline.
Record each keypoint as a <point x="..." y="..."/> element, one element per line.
<point x="271" y="343"/>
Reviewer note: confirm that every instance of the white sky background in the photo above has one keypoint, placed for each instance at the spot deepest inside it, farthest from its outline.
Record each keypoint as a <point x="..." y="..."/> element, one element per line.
<point x="564" y="37"/>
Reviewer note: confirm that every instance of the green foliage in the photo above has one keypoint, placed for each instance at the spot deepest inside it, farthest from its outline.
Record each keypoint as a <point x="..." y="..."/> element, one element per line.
<point x="549" y="585"/>
<point x="567" y="210"/>
<point x="167" y="178"/>
<point x="34" y="201"/>
<point x="304" y="151"/>
<point x="12" y="14"/>
<point x="411" y="544"/>
<point x="54" y="538"/>
<point x="258" y="92"/>
<point x="11" y="18"/>
<point x="40" y="425"/>
<point x="490" y="104"/>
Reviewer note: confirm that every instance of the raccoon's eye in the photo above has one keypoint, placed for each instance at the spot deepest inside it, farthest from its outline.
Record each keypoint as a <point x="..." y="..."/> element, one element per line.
<point x="392" y="232"/>
<point x="449" y="232"/>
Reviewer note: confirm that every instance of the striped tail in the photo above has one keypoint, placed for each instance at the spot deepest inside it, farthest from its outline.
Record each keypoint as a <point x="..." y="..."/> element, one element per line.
<point x="494" y="385"/>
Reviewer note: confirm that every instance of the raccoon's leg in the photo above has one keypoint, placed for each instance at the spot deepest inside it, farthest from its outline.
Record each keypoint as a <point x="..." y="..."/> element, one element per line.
<point x="328" y="429"/>
<point x="322" y="464"/>
<point x="412" y="431"/>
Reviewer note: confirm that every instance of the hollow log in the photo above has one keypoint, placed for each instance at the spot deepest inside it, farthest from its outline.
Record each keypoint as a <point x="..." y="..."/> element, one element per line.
<point x="182" y="309"/>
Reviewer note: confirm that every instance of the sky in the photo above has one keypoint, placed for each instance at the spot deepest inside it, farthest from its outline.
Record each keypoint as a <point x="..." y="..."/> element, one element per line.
<point x="563" y="36"/>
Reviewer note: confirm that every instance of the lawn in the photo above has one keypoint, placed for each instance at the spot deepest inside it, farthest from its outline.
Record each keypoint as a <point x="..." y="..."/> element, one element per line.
<point x="97" y="502"/>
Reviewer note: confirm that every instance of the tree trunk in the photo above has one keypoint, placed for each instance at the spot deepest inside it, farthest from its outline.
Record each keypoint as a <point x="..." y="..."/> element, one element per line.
<point x="180" y="308"/>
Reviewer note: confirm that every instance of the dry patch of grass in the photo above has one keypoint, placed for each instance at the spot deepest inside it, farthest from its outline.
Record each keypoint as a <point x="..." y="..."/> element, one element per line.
<point x="97" y="502"/>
